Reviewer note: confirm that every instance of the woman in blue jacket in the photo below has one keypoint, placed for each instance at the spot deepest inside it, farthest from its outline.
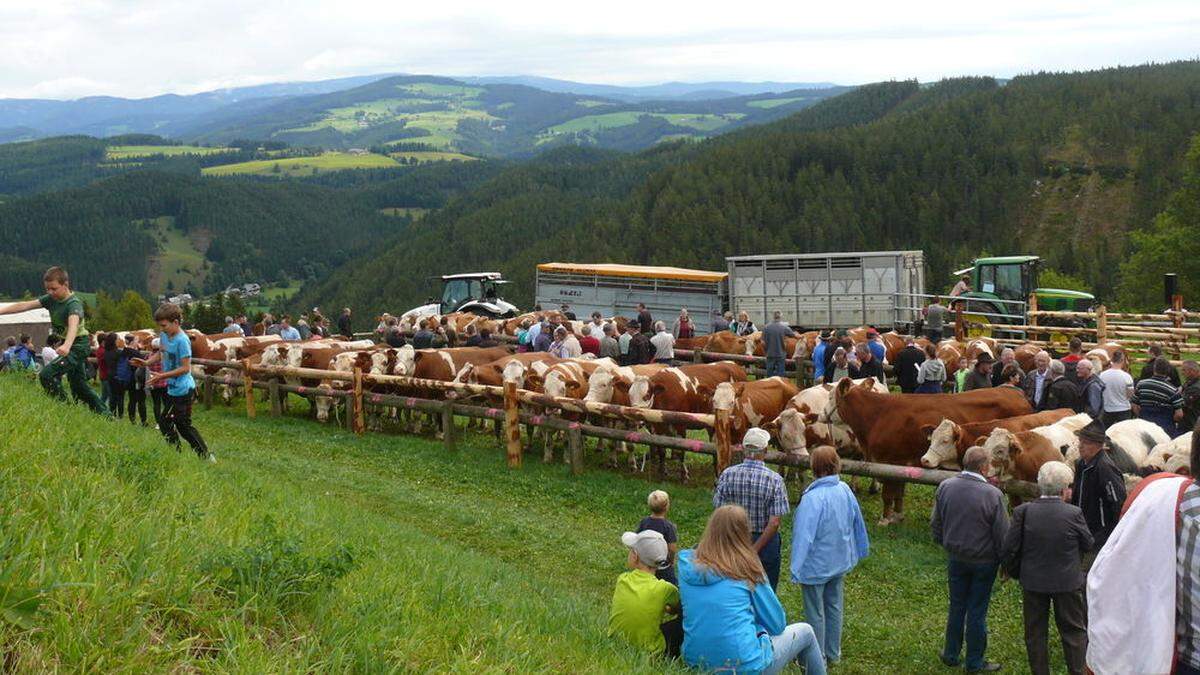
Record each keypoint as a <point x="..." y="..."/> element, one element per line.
<point x="732" y="620"/>
<point x="828" y="539"/>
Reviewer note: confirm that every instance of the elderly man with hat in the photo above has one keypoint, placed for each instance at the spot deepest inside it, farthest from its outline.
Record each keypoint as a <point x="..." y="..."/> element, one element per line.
<point x="761" y="492"/>
<point x="1099" y="488"/>
<point x="980" y="376"/>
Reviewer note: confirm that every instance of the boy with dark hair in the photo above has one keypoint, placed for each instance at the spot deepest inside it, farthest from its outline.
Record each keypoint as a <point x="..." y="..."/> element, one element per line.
<point x="66" y="318"/>
<point x="176" y="355"/>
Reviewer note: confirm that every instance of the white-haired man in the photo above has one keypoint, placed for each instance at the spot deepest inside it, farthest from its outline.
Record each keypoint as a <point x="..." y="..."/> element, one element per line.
<point x="1046" y="544"/>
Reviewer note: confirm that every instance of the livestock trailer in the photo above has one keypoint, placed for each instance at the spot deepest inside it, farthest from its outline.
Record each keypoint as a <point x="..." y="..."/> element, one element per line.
<point x="615" y="290"/>
<point x="829" y="290"/>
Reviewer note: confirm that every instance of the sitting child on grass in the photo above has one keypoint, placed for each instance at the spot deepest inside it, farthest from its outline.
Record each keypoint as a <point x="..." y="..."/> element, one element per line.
<point x="660" y="503"/>
<point x="644" y="608"/>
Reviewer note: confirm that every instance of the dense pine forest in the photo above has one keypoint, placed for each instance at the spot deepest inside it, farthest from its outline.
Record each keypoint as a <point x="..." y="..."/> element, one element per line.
<point x="1089" y="170"/>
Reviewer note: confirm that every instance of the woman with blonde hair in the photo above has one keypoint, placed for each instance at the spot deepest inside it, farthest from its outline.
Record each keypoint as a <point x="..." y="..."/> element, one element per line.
<point x="732" y="619"/>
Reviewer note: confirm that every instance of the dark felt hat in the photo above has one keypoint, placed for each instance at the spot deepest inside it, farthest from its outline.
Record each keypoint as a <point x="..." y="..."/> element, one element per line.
<point x="1094" y="431"/>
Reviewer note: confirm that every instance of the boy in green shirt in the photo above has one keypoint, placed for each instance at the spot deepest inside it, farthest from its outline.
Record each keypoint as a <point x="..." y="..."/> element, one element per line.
<point x="66" y="318"/>
<point x="644" y="606"/>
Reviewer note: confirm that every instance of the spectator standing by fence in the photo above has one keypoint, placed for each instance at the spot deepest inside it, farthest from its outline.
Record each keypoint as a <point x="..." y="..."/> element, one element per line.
<point x="1191" y="396"/>
<point x="610" y="347"/>
<point x="722" y="322"/>
<point x="664" y="344"/>
<point x="829" y="537"/>
<point x="641" y="349"/>
<point x="1099" y="489"/>
<point x="1091" y="391"/>
<point x="137" y="386"/>
<point x="824" y="338"/>
<point x="1156" y="400"/>
<point x="969" y="521"/>
<point x="1043" y="552"/>
<point x="1037" y="381"/>
<point x="1007" y="358"/>
<point x="684" y="328"/>
<point x="908" y="365"/>
<point x="645" y="320"/>
<point x="1118" y="389"/>
<point x="344" y="323"/>
<point x="590" y="342"/>
<point x="868" y="365"/>
<point x="743" y="326"/>
<point x="932" y="375"/>
<point x="935" y="320"/>
<point x="773" y="335"/>
<point x="1062" y="392"/>
<point x="116" y="362"/>
<point x="761" y="492"/>
<point x="232" y="327"/>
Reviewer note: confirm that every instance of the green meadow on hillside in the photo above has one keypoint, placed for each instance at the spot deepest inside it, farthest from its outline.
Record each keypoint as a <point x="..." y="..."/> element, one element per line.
<point x="306" y="548"/>
<point x="303" y="166"/>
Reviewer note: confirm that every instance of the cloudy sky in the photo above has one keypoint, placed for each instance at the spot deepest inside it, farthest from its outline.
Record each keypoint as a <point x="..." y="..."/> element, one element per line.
<point x="71" y="48"/>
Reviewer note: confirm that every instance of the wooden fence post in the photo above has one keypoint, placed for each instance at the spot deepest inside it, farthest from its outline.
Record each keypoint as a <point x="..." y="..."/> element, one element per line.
<point x="357" y="402"/>
<point x="575" y="449"/>
<point x="960" y="330"/>
<point x="1032" y="310"/>
<point x="208" y="392"/>
<point x="724" y="444"/>
<point x="248" y="383"/>
<point x="1177" y="307"/>
<point x="512" y="425"/>
<point x="697" y="355"/>
<point x="1101" y="324"/>
<point x="448" y="424"/>
<point x="273" y="394"/>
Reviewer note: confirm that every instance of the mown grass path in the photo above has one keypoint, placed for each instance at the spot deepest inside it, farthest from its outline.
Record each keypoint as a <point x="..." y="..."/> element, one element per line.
<point x="306" y="548"/>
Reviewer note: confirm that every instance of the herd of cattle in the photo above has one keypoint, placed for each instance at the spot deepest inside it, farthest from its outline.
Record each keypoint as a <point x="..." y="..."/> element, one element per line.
<point x="862" y="419"/>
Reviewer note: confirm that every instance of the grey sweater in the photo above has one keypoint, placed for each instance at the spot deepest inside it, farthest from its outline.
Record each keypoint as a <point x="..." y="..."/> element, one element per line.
<point x="969" y="519"/>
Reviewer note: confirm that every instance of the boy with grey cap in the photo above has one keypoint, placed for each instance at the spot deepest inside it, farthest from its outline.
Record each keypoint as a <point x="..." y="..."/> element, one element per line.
<point x="644" y="607"/>
<point x="759" y="490"/>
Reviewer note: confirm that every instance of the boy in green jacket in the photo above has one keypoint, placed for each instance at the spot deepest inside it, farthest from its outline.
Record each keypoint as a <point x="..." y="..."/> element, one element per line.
<point x="643" y="606"/>
<point x="66" y="318"/>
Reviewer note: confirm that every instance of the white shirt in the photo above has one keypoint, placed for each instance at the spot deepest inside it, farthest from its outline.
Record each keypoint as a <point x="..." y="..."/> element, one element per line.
<point x="48" y="355"/>
<point x="571" y="347"/>
<point x="1116" y="389"/>
<point x="664" y="346"/>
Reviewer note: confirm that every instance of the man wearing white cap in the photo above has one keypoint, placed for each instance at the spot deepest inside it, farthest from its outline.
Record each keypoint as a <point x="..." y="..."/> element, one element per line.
<point x="645" y="608"/>
<point x="759" y="490"/>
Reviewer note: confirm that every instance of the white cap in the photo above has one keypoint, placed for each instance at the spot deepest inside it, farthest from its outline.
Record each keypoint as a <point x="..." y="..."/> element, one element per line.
<point x="650" y="547"/>
<point x="756" y="439"/>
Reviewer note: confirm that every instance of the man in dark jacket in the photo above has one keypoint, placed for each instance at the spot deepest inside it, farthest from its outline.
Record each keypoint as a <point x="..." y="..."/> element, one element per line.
<point x="641" y="350"/>
<point x="1048" y="537"/>
<point x="1191" y="396"/>
<point x="344" y="323"/>
<point x="908" y="361"/>
<point x="1156" y="352"/>
<point x="1007" y="357"/>
<point x="970" y="522"/>
<point x="868" y="365"/>
<point x="980" y="376"/>
<point x="645" y="320"/>
<point x="1062" y="391"/>
<point x="1091" y="391"/>
<point x="1099" y="488"/>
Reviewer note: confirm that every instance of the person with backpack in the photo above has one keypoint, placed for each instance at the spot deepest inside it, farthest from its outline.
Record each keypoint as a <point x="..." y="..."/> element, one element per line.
<point x="136" y="388"/>
<point x="114" y="358"/>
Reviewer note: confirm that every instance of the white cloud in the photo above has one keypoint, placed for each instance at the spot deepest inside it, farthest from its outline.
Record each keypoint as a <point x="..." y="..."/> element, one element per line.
<point x="64" y="48"/>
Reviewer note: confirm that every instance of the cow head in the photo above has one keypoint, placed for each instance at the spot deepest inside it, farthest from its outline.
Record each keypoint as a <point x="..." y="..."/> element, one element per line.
<point x="791" y="432"/>
<point x="295" y="356"/>
<point x="406" y="361"/>
<point x="1002" y="447"/>
<point x="514" y="371"/>
<point x="724" y="396"/>
<point x="642" y="392"/>
<point x="943" y="445"/>
<point x="600" y="386"/>
<point x="464" y="373"/>
<point x="379" y="361"/>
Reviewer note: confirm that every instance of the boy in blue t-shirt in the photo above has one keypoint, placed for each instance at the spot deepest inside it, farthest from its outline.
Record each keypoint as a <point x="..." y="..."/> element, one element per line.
<point x="176" y="355"/>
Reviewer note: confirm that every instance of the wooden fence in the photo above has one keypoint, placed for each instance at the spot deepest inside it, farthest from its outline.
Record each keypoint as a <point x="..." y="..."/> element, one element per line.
<point x="510" y="415"/>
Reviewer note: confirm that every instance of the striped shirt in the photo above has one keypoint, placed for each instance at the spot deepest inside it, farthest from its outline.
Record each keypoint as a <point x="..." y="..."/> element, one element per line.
<point x="754" y="487"/>
<point x="1187" y="611"/>
<point x="1157" y="391"/>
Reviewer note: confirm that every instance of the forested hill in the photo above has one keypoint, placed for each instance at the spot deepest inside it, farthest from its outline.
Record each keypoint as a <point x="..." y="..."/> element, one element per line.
<point x="1061" y="165"/>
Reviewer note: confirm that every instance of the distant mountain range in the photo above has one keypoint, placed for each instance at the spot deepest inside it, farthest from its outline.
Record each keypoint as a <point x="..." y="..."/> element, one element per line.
<point x="481" y="115"/>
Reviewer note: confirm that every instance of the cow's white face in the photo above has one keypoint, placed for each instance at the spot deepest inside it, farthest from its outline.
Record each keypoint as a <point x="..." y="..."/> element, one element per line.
<point x="1000" y="448"/>
<point x="943" y="446"/>
<point x="514" y="371"/>
<point x="639" y="392"/>
<point x="295" y="356"/>
<point x="600" y="387"/>
<point x="555" y="384"/>
<point x="791" y="432"/>
<point x="379" y="362"/>
<point x="324" y="405"/>
<point x="406" y="363"/>
<point x="344" y="362"/>
<point x="723" y="397"/>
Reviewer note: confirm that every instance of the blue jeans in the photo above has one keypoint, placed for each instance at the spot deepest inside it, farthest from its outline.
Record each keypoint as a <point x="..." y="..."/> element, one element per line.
<point x="823" y="611"/>
<point x="769" y="557"/>
<point x="970" y="593"/>
<point x="776" y="365"/>
<point x="796" y="643"/>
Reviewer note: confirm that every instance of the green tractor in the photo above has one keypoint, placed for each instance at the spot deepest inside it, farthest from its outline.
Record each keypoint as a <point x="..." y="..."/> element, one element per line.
<point x="1001" y="285"/>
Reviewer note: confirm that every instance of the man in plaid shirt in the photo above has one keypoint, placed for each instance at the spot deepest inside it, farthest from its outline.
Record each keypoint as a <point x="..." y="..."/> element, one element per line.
<point x="1187" y="607"/>
<point x="759" y="490"/>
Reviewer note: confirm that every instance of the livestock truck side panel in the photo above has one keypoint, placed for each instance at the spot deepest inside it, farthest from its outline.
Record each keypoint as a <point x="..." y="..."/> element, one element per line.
<point x="615" y="290"/>
<point x="819" y="290"/>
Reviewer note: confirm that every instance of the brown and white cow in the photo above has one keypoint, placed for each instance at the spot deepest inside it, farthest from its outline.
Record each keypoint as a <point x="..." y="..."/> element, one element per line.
<point x="1017" y="455"/>
<point x="569" y="378"/>
<point x="445" y="364"/>
<point x="683" y="388"/>
<point x="799" y="424"/>
<point x="725" y="342"/>
<point x="890" y="426"/>
<point x="756" y="403"/>
<point x="1174" y="456"/>
<point x="949" y="441"/>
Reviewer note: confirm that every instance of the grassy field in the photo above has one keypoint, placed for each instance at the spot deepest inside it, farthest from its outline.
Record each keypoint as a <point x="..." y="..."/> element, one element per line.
<point x="772" y="102"/>
<point x="180" y="259"/>
<point x="305" y="548"/>
<point x="424" y="156"/>
<point x="262" y="303"/>
<point x="592" y="123"/>
<point x="303" y="166"/>
<point x="119" y="152"/>
<point x="416" y="213"/>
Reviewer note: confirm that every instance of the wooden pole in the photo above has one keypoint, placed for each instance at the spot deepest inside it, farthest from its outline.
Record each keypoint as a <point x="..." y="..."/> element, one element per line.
<point x="724" y="443"/>
<point x="1101" y="324"/>
<point x="575" y="449"/>
<point x="960" y="331"/>
<point x="208" y="392"/>
<point x="1032" y="309"/>
<point x="248" y="384"/>
<point x="448" y="424"/>
<point x="1177" y="310"/>
<point x="273" y="394"/>
<point x="357" y="402"/>
<point x="512" y="425"/>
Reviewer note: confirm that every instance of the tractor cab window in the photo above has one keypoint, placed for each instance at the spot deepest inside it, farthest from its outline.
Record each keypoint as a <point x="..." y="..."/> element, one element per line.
<point x="1003" y="281"/>
<point x="458" y="291"/>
